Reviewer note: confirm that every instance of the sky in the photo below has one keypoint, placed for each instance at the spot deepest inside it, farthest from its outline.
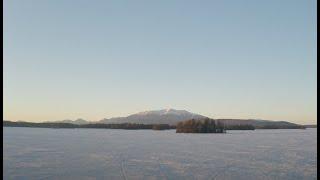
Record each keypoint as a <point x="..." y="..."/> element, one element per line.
<point x="67" y="59"/>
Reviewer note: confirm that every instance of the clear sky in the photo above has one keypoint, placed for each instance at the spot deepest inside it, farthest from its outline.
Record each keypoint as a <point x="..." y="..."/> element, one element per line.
<point x="66" y="59"/>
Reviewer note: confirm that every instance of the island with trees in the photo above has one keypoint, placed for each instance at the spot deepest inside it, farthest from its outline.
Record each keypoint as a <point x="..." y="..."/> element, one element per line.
<point x="200" y="126"/>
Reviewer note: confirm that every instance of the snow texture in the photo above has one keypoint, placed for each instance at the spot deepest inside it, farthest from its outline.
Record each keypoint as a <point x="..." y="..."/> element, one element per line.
<point x="39" y="153"/>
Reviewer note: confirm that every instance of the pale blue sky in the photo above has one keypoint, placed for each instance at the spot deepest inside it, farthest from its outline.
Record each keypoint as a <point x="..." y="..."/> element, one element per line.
<point x="88" y="59"/>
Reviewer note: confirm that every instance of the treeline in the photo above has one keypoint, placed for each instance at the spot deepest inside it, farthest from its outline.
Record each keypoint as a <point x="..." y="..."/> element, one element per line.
<point x="128" y="126"/>
<point x="39" y="125"/>
<point x="281" y="127"/>
<point x="240" y="127"/>
<point x="163" y="126"/>
<point x="200" y="126"/>
<point x="310" y="126"/>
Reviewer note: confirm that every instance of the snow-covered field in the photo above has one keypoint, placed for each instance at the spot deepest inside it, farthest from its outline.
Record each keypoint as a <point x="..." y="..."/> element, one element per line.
<point x="36" y="153"/>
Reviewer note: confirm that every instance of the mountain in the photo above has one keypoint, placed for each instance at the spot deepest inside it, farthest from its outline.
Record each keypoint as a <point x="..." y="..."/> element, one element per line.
<point x="164" y="116"/>
<point x="77" y="121"/>
<point x="173" y="116"/>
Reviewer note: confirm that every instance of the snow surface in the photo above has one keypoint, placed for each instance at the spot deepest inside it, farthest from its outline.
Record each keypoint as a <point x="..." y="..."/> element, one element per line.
<point x="39" y="153"/>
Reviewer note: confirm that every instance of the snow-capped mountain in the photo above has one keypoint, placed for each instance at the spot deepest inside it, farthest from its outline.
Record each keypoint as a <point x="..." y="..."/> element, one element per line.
<point x="164" y="116"/>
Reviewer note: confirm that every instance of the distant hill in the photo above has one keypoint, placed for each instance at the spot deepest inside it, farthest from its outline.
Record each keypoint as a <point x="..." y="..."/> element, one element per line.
<point x="77" y="121"/>
<point x="311" y="126"/>
<point x="262" y="124"/>
<point x="164" y="116"/>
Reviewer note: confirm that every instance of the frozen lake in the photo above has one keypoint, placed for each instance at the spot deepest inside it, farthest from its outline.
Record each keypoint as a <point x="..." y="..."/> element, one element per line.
<point x="39" y="153"/>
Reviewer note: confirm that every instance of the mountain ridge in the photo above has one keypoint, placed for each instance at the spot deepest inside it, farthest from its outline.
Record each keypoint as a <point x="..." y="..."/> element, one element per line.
<point x="172" y="117"/>
<point x="78" y="121"/>
<point x="163" y="116"/>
